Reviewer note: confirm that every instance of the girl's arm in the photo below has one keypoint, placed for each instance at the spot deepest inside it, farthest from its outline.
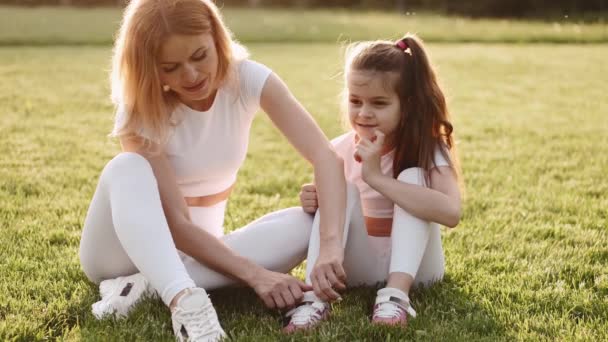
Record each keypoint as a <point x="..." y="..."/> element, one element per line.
<point x="304" y="134"/>
<point x="440" y="202"/>
<point x="198" y="243"/>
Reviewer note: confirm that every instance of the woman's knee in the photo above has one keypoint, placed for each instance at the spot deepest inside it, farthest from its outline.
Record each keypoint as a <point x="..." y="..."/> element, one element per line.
<point x="413" y="175"/>
<point x="128" y="161"/>
<point x="127" y="165"/>
<point x="300" y="221"/>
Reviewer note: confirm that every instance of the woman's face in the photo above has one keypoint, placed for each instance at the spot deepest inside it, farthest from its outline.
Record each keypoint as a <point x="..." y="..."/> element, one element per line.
<point x="373" y="103"/>
<point x="188" y="65"/>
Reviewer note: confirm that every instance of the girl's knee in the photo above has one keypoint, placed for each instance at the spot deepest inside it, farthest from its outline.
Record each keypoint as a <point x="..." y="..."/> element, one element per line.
<point x="413" y="175"/>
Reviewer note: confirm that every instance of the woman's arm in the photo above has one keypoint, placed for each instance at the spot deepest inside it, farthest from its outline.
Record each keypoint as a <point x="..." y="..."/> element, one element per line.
<point x="304" y="134"/>
<point x="198" y="243"/>
<point x="440" y="202"/>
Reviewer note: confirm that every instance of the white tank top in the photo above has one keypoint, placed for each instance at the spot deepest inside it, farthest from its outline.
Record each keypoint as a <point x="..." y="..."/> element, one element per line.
<point x="206" y="149"/>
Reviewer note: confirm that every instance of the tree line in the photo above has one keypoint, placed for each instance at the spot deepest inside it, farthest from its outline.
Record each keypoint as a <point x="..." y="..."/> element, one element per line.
<point x="473" y="8"/>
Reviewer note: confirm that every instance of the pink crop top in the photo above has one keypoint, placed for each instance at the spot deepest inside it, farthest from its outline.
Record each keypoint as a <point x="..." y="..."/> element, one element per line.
<point x="374" y="204"/>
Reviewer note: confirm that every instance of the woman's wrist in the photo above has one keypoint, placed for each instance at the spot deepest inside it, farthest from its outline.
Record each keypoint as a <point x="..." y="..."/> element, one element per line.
<point x="330" y="243"/>
<point x="250" y="272"/>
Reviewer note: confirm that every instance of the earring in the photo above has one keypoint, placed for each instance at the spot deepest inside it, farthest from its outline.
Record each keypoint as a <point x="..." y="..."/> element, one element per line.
<point x="166" y="88"/>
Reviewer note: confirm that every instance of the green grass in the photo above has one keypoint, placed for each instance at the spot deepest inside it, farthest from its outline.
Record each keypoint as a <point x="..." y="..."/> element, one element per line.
<point x="528" y="261"/>
<point x="52" y="25"/>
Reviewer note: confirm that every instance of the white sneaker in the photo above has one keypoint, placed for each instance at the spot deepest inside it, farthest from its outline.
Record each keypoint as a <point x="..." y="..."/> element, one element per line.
<point x="392" y="307"/>
<point x="119" y="296"/>
<point x="306" y="316"/>
<point x="195" y="319"/>
<point x="310" y="313"/>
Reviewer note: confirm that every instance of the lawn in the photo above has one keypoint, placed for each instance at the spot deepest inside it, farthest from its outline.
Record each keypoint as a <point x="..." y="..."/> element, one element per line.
<point x="529" y="260"/>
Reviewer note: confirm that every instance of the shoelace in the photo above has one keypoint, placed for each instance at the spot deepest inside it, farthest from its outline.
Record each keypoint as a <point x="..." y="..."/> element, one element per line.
<point x="390" y="309"/>
<point x="200" y="323"/>
<point x="306" y="313"/>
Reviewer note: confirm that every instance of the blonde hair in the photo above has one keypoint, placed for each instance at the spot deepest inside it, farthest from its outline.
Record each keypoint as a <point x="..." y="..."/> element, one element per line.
<point x="135" y="80"/>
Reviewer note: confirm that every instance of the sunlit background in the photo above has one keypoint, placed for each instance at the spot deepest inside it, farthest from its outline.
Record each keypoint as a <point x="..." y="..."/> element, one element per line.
<point x="526" y="83"/>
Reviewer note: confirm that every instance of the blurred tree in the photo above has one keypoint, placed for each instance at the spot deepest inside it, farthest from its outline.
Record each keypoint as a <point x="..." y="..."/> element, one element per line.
<point x="401" y="6"/>
<point x="474" y="8"/>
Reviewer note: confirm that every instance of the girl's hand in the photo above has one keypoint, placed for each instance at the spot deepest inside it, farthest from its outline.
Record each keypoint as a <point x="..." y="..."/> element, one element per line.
<point x="328" y="274"/>
<point x="308" y="198"/>
<point x="369" y="153"/>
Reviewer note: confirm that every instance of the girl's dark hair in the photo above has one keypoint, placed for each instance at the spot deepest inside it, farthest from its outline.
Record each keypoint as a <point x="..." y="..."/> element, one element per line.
<point x="424" y="125"/>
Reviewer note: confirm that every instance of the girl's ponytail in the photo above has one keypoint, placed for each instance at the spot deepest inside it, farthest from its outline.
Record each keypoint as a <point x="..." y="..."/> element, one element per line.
<point x="424" y="126"/>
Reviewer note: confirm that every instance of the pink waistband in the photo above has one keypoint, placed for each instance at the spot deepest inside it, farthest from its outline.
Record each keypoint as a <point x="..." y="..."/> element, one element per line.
<point x="209" y="200"/>
<point x="377" y="226"/>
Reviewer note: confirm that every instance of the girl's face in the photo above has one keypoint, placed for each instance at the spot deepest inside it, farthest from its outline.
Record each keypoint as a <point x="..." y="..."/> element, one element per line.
<point x="373" y="103"/>
<point x="188" y="65"/>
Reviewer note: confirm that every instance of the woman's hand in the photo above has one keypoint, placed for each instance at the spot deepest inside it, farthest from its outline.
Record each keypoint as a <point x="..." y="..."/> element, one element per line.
<point x="308" y="198"/>
<point x="369" y="152"/>
<point x="278" y="290"/>
<point x="328" y="274"/>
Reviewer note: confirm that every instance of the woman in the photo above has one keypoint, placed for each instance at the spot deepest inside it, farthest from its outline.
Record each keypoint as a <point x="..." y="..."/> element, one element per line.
<point x="186" y="96"/>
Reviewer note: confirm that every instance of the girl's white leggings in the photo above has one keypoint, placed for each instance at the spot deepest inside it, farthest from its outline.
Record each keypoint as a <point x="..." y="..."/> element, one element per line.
<point x="414" y="246"/>
<point x="126" y="232"/>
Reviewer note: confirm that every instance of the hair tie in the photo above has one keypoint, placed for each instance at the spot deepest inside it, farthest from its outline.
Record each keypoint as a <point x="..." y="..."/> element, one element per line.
<point x="403" y="46"/>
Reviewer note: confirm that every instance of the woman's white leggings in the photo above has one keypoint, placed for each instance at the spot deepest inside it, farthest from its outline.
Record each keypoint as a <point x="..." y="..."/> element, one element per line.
<point x="414" y="246"/>
<point x="125" y="232"/>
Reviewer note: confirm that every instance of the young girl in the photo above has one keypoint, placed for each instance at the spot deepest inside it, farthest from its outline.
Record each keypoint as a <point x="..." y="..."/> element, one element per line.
<point x="400" y="156"/>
